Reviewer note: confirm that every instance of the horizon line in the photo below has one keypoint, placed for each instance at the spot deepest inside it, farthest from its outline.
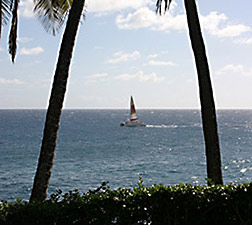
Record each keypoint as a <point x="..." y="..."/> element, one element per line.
<point x="122" y="108"/>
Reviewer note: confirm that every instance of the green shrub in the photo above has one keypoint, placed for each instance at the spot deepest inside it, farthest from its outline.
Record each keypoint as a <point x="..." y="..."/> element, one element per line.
<point x="158" y="205"/>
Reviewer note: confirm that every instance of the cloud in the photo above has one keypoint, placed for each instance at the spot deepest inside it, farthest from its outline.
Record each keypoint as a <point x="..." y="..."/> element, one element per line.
<point x="140" y="76"/>
<point x="161" y="63"/>
<point x="247" y="41"/>
<point x="11" y="82"/>
<point x="124" y="57"/>
<point x="232" y="30"/>
<point x="214" y="23"/>
<point x="31" y="51"/>
<point x="152" y="56"/>
<point x="147" y="18"/>
<point x="142" y="18"/>
<point x="97" y="75"/>
<point x="111" y="5"/>
<point x="26" y="8"/>
<point x="234" y="69"/>
<point x="24" y="39"/>
<point x="1" y="49"/>
<point x="219" y="25"/>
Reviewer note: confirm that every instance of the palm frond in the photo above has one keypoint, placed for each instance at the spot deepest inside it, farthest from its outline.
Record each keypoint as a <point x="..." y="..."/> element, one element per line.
<point x="52" y="13"/>
<point x="5" y="13"/>
<point x="159" y="5"/>
<point x="13" y="31"/>
<point x="0" y="17"/>
<point x="66" y="5"/>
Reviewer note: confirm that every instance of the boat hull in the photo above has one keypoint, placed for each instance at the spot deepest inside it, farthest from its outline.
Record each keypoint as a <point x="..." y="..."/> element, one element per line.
<point x="136" y="123"/>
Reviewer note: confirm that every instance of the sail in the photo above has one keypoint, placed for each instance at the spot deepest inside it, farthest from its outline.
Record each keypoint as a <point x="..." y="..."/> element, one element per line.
<point x="133" y="121"/>
<point x="133" y="115"/>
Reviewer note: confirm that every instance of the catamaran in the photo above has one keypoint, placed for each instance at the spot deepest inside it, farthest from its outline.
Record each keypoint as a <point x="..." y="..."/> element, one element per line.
<point x="133" y="121"/>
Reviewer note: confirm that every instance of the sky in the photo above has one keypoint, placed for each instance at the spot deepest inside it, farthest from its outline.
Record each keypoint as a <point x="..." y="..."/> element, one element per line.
<point x="123" y="48"/>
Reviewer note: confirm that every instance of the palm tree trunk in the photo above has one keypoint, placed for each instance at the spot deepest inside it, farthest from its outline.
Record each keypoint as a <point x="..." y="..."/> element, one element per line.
<point x="206" y="95"/>
<point x="45" y="163"/>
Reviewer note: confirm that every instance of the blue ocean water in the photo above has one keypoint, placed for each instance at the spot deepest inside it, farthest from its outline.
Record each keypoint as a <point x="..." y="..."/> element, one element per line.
<point x="92" y="148"/>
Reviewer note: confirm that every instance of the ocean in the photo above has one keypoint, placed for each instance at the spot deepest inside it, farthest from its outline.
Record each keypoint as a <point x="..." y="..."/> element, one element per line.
<point x="92" y="148"/>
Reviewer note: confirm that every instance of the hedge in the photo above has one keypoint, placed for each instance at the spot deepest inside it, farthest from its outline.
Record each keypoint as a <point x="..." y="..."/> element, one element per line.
<point x="157" y="205"/>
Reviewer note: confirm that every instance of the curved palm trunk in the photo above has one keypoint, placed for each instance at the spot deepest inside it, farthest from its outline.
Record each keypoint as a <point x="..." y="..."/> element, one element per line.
<point x="206" y="95"/>
<point x="45" y="164"/>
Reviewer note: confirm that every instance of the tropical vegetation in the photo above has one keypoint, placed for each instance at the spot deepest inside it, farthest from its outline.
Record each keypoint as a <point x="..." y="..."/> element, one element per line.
<point x="50" y="12"/>
<point x="158" y="205"/>
<point x="8" y="9"/>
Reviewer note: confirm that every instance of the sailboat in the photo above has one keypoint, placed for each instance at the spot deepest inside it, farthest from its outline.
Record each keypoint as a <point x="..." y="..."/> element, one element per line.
<point x="133" y="121"/>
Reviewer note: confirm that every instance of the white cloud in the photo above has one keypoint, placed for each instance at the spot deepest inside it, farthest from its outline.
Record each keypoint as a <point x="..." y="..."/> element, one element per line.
<point x="139" y="76"/>
<point x="31" y="51"/>
<point x="211" y="21"/>
<point x="26" y="8"/>
<point x="234" y="69"/>
<point x="11" y="82"/>
<point x="98" y="75"/>
<point x="24" y="39"/>
<point x="219" y="25"/>
<point x="161" y="63"/>
<point x="111" y="5"/>
<point x="247" y="41"/>
<point x="124" y="57"/>
<point x="232" y="30"/>
<point x="214" y="23"/>
<point x="152" y="56"/>
<point x="141" y="18"/>
<point x="147" y="18"/>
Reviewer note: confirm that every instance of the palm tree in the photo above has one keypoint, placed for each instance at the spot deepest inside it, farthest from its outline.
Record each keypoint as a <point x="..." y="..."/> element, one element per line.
<point x="13" y="31"/>
<point x="208" y="112"/>
<point x="5" y="11"/>
<point x="9" y="8"/>
<point x="45" y="163"/>
<point x="51" y="13"/>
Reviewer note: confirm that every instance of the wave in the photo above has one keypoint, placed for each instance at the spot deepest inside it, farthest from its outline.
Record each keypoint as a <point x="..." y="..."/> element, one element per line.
<point x="173" y="125"/>
<point x="162" y="126"/>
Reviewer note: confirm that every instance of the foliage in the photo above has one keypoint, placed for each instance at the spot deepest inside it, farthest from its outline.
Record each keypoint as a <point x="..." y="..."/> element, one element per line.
<point x="159" y="5"/>
<point x="52" y="13"/>
<point x="13" y="31"/>
<point x="5" y="12"/>
<point x="159" y="205"/>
